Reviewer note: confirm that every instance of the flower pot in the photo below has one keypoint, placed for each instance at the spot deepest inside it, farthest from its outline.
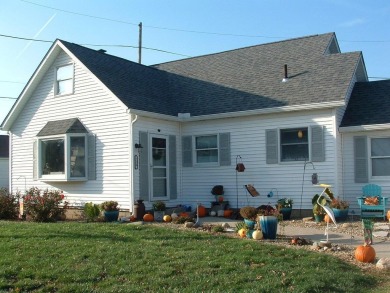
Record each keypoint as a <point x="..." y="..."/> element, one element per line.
<point x="158" y="215"/>
<point x="269" y="226"/>
<point x="286" y="212"/>
<point x="340" y="214"/>
<point x="250" y="223"/>
<point x="111" y="216"/>
<point x="319" y="218"/>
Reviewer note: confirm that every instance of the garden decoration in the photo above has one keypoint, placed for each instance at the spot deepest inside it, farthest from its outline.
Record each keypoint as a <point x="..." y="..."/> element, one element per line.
<point x="284" y="206"/>
<point x="326" y="194"/>
<point x="368" y="226"/>
<point x="239" y="168"/>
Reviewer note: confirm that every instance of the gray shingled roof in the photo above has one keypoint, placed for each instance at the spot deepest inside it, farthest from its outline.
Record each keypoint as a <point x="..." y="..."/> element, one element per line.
<point x="369" y="104"/>
<point x="72" y="125"/>
<point x="238" y="80"/>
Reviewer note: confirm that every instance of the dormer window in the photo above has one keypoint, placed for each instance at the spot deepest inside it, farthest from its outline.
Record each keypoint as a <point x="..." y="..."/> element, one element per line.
<point x="64" y="80"/>
<point x="64" y="151"/>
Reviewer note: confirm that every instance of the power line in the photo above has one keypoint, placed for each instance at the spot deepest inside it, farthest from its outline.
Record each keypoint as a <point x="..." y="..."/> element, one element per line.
<point x="100" y="45"/>
<point x="188" y="31"/>
<point x="9" y="98"/>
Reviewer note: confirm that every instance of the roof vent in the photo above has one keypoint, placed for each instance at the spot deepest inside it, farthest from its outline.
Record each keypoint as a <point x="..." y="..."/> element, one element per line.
<point x="285" y="79"/>
<point x="102" y="51"/>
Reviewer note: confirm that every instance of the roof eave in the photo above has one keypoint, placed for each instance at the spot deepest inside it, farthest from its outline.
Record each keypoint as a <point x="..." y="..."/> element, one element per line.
<point x="369" y="127"/>
<point x="275" y="110"/>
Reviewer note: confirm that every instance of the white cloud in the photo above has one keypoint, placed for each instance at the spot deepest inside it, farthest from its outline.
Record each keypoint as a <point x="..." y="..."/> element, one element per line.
<point x="353" y="22"/>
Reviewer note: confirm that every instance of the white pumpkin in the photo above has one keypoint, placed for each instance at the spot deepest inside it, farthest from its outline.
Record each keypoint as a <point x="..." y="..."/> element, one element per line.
<point x="213" y="213"/>
<point x="257" y="235"/>
<point x="174" y="216"/>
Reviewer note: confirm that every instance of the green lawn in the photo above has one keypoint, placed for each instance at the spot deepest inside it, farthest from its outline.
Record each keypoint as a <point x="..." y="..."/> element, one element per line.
<point x="104" y="257"/>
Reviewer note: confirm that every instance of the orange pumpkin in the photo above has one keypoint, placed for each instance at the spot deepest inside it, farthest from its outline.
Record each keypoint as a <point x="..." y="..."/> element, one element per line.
<point x="148" y="218"/>
<point x="133" y="219"/>
<point x="365" y="253"/>
<point x="388" y="215"/>
<point x="202" y="211"/>
<point x="227" y="213"/>
<point x="184" y="215"/>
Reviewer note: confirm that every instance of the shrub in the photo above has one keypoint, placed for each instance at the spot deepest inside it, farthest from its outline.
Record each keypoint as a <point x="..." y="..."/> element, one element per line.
<point x="248" y="212"/>
<point x="44" y="206"/>
<point x="9" y="205"/>
<point x="91" y="211"/>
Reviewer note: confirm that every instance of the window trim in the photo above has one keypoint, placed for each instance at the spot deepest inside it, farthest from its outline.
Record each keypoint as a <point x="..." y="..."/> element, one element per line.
<point x="307" y="128"/>
<point x="67" y="158"/>
<point x="56" y="81"/>
<point x="206" y="164"/>
<point x="370" y="157"/>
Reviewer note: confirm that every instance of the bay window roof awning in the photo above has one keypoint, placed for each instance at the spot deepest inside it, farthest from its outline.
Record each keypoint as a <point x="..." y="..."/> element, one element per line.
<point x="72" y="125"/>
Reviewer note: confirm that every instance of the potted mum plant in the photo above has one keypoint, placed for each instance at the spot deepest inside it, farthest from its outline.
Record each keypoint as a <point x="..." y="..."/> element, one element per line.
<point x="340" y="208"/>
<point x="111" y="210"/>
<point x="284" y="206"/>
<point x="159" y="210"/>
<point x="249" y="214"/>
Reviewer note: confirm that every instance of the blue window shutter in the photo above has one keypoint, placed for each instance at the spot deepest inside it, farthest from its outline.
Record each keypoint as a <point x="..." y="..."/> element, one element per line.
<point x="317" y="144"/>
<point x="361" y="159"/>
<point x="172" y="167"/>
<point x="271" y="142"/>
<point x="91" y="157"/>
<point x="144" y="166"/>
<point x="35" y="160"/>
<point x="187" y="150"/>
<point x="224" y="149"/>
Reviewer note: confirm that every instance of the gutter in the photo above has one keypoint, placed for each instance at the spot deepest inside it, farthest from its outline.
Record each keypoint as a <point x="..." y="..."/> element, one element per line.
<point x="369" y="127"/>
<point x="274" y="110"/>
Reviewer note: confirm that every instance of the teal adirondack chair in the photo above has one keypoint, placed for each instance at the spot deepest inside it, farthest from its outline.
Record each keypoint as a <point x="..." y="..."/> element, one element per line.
<point x="372" y="211"/>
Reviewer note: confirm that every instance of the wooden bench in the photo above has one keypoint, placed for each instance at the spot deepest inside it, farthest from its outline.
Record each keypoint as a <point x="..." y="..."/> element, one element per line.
<point x="370" y="191"/>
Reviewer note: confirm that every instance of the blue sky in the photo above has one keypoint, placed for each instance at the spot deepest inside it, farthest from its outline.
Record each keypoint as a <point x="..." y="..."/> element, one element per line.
<point x="183" y="27"/>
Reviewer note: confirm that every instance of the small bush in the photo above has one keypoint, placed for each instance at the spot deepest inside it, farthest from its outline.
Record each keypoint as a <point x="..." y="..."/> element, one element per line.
<point x="9" y="205"/>
<point x="91" y="211"/>
<point x="218" y="229"/>
<point x="44" y="206"/>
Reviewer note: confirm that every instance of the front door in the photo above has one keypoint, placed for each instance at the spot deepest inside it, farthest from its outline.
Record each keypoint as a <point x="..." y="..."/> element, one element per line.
<point x="159" y="167"/>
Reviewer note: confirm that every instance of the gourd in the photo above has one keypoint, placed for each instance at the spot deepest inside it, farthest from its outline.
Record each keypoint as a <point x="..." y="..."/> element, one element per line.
<point x="167" y="218"/>
<point x="365" y="253"/>
<point x="148" y="218"/>
<point x="257" y="235"/>
<point x="132" y="218"/>
<point x="242" y="232"/>
<point x="174" y="216"/>
<point x="213" y="213"/>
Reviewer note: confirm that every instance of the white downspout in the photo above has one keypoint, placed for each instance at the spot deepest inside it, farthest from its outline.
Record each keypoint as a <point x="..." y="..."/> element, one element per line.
<point x="132" y="162"/>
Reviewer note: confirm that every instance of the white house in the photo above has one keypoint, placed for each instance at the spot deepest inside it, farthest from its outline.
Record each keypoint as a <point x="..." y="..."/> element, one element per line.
<point x="100" y="127"/>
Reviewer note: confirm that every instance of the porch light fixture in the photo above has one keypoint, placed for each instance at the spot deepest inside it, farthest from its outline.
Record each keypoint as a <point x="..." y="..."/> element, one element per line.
<point x="139" y="147"/>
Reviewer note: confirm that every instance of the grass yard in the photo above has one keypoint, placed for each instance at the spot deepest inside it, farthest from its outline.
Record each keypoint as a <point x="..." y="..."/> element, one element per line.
<point x="104" y="257"/>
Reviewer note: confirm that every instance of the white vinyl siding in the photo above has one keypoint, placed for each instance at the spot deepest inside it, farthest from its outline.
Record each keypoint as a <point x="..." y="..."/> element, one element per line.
<point x="101" y="113"/>
<point x="247" y="140"/>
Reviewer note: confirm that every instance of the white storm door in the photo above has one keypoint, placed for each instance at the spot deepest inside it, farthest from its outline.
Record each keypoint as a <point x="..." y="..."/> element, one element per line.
<point x="159" y="167"/>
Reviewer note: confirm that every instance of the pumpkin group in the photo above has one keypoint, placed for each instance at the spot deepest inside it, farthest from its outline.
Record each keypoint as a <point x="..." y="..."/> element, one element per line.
<point x="365" y="253"/>
<point x="148" y="218"/>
